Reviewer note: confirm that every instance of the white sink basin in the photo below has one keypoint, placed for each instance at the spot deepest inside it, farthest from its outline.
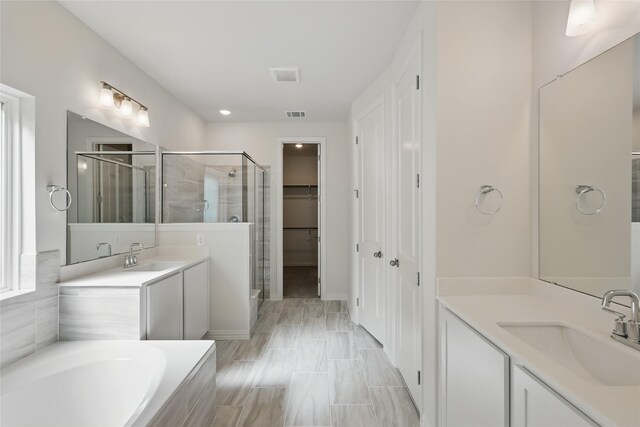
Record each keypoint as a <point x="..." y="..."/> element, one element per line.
<point x="591" y="359"/>
<point x="155" y="266"/>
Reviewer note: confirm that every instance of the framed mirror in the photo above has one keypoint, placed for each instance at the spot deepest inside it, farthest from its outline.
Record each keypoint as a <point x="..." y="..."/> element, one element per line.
<point x="112" y="180"/>
<point x="589" y="200"/>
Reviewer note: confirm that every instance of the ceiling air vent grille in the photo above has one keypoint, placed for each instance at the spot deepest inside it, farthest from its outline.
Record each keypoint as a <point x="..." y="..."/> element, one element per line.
<point x="285" y="74"/>
<point x="296" y="114"/>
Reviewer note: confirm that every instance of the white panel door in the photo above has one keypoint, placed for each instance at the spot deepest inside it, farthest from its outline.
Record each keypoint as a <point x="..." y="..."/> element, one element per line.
<point x="196" y="301"/>
<point x="406" y="145"/>
<point x="536" y="405"/>
<point x="164" y="309"/>
<point x="474" y="377"/>
<point x="371" y="169"/>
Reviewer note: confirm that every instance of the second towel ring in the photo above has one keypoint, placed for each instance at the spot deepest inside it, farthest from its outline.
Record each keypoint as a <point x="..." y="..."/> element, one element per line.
<point x="581" y="190"/>
<point x="486" y="189"/>
<point x="53" y="189"/>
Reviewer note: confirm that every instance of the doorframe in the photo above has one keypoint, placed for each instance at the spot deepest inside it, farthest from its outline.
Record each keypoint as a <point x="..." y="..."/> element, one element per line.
<point x="322" y="190"/>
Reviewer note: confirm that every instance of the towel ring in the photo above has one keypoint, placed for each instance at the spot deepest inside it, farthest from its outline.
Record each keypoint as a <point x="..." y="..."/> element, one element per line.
<point x="53" y="189"/>
<point x="581" y="190"/>
<point x="484" y="190"/>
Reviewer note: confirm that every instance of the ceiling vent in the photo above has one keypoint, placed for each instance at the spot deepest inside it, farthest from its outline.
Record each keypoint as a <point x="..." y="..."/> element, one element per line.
<point x="297" y="114"/>
<point x="285" y="74"/>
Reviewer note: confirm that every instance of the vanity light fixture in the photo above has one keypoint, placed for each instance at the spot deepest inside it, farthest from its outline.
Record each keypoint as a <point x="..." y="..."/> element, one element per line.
<point x="112" y="97"/>
<point x="582" y="17"/>
<point x="225" y="112"/>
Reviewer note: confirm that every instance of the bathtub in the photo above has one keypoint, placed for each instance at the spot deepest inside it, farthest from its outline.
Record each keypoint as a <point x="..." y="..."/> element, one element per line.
<point x="96" y="383"/>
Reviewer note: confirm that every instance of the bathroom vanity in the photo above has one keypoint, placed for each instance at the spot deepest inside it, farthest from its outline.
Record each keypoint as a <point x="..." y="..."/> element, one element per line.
<point x="159" y="299"/>
<point x="513" y="353"/>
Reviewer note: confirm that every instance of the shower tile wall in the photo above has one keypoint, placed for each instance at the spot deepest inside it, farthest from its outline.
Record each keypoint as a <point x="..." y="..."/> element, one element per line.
<point x="635" y="190"/>
<point x="229" y="203"/>
<point x="183" y="183"/>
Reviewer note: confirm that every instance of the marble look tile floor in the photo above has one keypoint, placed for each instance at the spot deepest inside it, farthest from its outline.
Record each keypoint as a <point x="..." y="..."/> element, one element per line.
<point x="308" y="365"/>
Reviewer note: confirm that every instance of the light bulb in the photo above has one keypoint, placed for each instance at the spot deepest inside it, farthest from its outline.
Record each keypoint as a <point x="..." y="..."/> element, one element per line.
<point x="126" y="107"/>
<point x="143" y="117"/>
<point x="582" y="17"/>
<point x="106" y="96"/>
<point x="298" y="145"/>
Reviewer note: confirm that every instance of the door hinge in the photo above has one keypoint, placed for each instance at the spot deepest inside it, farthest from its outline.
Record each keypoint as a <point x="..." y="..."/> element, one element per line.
<point x="318" y="279"/>
<point x="417" y="82"/>
<point x="418" y="377"/>
<point x="418" y="278"/>
<point x="357" y="193"/>
<point x="357" y="247"/>
<point x="356" y="140"/>
<point x="418" y="180"/>
<point x="357" y="302"/>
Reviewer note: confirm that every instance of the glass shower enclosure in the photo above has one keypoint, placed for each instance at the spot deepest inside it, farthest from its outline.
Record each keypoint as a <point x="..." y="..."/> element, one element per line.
<point x="217" y="187"/>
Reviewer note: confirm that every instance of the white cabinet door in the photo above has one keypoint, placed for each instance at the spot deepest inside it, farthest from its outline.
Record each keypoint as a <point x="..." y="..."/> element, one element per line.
<point x="196" y="302"/>
<point x="164" y="309"/>
<point x="371" y="171"/>
<point x="474" y="377"/>
<point x="536" y="405"/>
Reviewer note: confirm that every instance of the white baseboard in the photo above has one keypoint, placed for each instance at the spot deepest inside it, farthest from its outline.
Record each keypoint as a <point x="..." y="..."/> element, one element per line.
<point x="228" y="335"/>
<point x="335" y="297"/>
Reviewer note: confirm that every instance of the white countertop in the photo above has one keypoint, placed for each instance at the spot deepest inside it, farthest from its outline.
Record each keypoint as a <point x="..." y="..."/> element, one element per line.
<point x="130" y="278"/>
<point x="607" y="405"/>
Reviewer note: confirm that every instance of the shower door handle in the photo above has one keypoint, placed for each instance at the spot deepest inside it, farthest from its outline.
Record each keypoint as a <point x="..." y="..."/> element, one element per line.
<point x="377" y="254"/>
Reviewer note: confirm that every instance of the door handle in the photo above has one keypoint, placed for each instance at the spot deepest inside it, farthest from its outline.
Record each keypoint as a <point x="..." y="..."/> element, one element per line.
<point x="377" y="254"/>
<point x="394" y="263"/>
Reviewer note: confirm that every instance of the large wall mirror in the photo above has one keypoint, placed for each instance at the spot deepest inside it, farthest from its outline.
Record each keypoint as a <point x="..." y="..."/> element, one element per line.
<point x="112" y="180"/>
<point x="590" y="174"/>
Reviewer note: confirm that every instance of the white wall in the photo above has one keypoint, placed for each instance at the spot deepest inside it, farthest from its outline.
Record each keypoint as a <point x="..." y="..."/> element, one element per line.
<point x="259" y="140"/>
<point x="553" y="54"/>
<point x="484" y="80"/>
<point x="50" y="54"/>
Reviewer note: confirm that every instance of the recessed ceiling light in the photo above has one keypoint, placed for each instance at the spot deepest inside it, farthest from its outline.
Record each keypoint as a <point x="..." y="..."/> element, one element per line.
<point x="298" y="145"/>
<point x="225" y="112"/>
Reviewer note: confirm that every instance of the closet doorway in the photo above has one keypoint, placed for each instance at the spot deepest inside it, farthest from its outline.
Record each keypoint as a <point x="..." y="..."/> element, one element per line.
<point x="301" y="218"/>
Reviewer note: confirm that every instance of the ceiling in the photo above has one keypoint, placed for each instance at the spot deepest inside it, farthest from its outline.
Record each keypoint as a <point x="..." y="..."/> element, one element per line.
<point x="216" y="55"/>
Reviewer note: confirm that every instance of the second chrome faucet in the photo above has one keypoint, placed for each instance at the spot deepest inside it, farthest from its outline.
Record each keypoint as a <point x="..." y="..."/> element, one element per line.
<point x="131" y="260"/>
<point x="628" y="333"/>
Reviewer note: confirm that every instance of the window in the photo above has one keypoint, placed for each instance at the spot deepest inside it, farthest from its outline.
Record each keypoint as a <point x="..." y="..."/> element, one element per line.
<point x="17" y="125"/>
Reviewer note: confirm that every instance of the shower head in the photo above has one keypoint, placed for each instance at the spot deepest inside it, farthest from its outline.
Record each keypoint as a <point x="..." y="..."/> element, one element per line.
<point x="232" y="174"/>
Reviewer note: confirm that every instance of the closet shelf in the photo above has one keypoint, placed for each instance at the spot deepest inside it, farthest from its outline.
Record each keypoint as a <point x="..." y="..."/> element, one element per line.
<point x="300" y="185"/>
<point x="299" y="228"/>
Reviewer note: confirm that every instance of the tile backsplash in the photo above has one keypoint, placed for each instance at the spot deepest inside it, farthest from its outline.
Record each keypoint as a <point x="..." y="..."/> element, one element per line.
<point x="29" y="322"/>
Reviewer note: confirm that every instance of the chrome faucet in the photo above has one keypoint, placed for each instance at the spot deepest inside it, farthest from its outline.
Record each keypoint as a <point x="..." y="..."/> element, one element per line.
<point x="99" y="245"/>
<point x="627" y="333"/>
<point x="131" y="260"/>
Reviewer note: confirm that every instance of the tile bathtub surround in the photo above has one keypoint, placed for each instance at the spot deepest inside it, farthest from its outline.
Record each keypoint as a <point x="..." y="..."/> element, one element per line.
<point x="29" y="322"/>
<point x="307" y="375"/>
